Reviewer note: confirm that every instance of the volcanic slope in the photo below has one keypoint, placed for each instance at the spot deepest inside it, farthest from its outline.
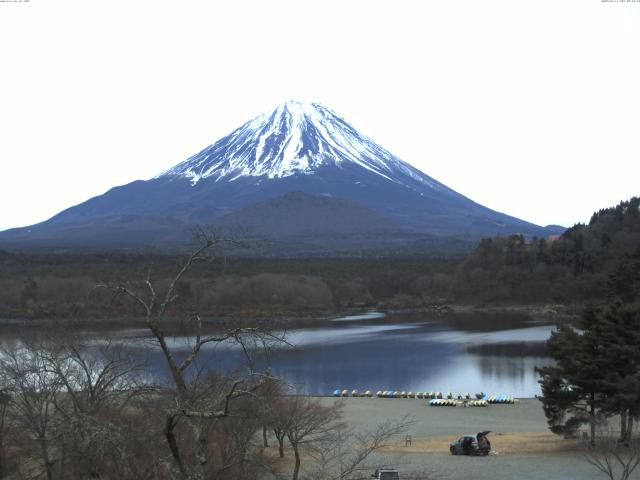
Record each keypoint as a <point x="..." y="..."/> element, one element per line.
<point x="299" y="147"/>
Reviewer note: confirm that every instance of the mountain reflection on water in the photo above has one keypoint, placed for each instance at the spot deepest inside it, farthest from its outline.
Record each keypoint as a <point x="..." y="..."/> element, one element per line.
<point x="413" y="352"/>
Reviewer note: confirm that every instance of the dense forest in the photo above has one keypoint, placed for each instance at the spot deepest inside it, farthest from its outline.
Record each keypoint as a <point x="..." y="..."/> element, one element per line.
<point x="567" y="269"/>
<point x="570" y="268"/>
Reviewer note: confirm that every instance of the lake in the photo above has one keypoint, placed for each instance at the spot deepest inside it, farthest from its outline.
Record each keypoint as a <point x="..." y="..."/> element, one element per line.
<point x="494" y="354"/>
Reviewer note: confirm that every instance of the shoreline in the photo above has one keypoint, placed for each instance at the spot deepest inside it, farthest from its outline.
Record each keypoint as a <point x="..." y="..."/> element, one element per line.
<point x="522" y="445"/>
<point x="547" y="313"/>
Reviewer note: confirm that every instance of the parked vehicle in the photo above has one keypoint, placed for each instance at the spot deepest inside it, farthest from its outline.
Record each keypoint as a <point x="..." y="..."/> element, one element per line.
<point x="386" y="473"/>
<point x="471" y="444"/>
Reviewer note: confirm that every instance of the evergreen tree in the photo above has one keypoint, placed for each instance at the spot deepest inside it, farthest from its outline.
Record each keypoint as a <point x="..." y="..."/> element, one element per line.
<point x="620" y="337"/>
<point x="597" y="369"/>
<point x="573" y="390"/>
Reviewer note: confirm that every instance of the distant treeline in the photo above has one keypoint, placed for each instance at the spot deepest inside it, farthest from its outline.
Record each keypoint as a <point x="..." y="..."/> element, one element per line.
<point x="61" y="286"/>
<point x="504" y="270"/>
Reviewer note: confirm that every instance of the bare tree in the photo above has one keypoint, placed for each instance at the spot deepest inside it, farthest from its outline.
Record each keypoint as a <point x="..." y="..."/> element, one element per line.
<point x="5" y="398"/>
<point x="238" y="452"/>
<point x="194" y="402"/>
<point x="347" y="453"/>
<point x="616" y="459"/>
<point x="33" y="392"/>
<point x="71" y="401"/>
<point x="99" y="384"/>
<point x="95" y="377"/>
<point x="308" y="424"/>
<point x="271" y="393"/>
<point x="277" y="418"/>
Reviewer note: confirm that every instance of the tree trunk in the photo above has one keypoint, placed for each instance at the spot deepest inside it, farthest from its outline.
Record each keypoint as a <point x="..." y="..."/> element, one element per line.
<point x="2" y="455"/>
<point x="623" y="427"/>
<point x="265" y="443"/>
<point x="201" y="450"/>
<point x="592" y="412"/>
<point x="44" y="450"/>
<point x="627" y="442"/>
<point x="170" y="435"/>
<point x="296" y="467"/>
<point x="280" y="437"/>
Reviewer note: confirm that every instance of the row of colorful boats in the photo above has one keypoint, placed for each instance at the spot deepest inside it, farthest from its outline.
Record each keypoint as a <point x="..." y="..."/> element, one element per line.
<point x="403" y="394"/>
<point x="452" y="402"/>
<point x="437" y="398"/>
<point x="445" y="402"/>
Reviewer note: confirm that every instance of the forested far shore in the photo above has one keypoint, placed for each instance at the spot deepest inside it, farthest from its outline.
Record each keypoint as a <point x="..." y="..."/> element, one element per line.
<point x="513" y="270"/>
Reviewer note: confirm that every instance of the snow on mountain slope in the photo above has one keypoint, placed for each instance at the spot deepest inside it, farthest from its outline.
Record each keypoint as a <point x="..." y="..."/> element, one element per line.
<point x="296" y="138"/>
<point x="300" y="175"/>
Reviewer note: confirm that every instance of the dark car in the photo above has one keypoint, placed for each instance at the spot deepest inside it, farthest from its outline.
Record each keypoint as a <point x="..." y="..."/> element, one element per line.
<point x="471" y="444"/>
<point x="386" y="473"/>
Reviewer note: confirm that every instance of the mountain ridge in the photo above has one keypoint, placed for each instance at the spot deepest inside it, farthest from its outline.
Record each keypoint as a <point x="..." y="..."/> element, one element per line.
<point x="298" y="147"/>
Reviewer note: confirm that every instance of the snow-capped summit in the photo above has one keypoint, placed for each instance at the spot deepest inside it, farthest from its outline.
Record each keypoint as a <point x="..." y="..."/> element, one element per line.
<point x="296" y="138"/>
<point x="300" y="177"/>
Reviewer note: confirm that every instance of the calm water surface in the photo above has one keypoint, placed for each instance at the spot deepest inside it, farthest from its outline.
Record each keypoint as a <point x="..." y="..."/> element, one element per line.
<point x="373" y="351"/>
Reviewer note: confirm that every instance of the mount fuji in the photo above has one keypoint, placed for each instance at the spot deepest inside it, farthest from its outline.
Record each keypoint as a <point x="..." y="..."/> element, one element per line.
<point x="299" y="176"/>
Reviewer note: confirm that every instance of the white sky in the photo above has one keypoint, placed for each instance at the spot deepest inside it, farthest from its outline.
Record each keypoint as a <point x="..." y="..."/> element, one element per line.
<point x="528" y="107"/>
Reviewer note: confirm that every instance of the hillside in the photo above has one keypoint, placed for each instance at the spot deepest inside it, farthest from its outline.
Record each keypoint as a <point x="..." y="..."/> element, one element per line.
<point x="571" y="267"/>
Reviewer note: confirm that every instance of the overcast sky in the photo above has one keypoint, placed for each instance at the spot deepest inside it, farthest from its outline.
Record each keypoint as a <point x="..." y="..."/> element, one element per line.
<point x="529" y="107"/>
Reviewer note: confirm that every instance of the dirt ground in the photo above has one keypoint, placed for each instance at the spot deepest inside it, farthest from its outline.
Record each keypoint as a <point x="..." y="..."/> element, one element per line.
<point x="523" y="448"/>
<point x="525" y="443"/>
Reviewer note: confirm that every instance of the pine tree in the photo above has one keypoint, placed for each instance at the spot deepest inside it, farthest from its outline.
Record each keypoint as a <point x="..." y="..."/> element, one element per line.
<point x="597" y="371"/>
<point x="573" y="390"/>
<point x="620" y="337"/>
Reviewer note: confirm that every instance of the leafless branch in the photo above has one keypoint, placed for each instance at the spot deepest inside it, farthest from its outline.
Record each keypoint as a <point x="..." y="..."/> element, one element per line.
<point x="611" y="457"/>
